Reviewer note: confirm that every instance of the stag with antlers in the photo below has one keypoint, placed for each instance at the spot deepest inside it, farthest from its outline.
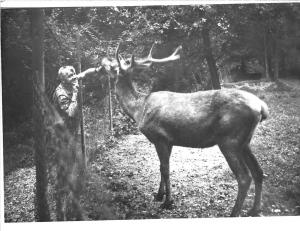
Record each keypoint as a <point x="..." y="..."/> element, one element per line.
<point x="226" y="117"/>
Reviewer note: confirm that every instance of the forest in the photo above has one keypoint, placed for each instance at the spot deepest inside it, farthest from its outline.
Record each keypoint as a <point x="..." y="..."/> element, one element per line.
<point x="251" y="47"/>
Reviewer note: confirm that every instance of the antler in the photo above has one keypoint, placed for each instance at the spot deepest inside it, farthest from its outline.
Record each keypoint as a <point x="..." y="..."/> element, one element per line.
<point x="145" y="62"/>
<point x="149" y="59"/>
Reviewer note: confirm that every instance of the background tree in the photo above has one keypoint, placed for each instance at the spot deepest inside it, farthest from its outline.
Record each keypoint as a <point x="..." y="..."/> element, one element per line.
<point x="37" y="33"/>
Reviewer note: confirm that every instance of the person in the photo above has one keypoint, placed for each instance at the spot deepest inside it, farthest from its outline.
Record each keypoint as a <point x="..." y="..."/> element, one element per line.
<point x="67" y="93"/>
<point x="71" y="165"/>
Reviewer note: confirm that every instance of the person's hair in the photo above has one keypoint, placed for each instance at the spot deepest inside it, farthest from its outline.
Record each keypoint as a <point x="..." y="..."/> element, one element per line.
<point x="65" y="71"/>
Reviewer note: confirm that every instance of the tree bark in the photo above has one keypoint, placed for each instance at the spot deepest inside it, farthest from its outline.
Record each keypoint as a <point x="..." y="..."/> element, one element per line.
<point x="37" y="33"/>
<point x="211" y="62"/>
<point x="276" y="59"/>
<point x="267" y="72"/>
<point x="110" y="106"/>
<point x="82" y="137"/>
<point x="81" y="157"/>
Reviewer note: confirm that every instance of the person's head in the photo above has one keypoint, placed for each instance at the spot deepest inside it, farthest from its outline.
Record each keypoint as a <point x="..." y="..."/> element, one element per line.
<point x="67" y="75"/>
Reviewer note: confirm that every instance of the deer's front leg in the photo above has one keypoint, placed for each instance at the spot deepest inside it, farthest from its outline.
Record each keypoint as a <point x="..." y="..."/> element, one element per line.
<point x="164" y="151"/>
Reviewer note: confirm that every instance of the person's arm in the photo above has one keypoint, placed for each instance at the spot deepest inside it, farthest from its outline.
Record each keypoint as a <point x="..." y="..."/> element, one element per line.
<point x="89" y="71"/>
<point x="73" y="107"/>
<point x="69" y="106"/>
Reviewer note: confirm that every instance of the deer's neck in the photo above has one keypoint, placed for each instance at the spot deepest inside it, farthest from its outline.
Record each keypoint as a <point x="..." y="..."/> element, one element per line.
<point x="131" y="101"/>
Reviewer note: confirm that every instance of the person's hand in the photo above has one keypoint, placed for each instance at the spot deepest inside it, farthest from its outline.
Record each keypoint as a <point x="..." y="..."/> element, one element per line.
<point x="75" y="91"/>
<point x="98" y="69"/>
<point x="80" y="76"/>
<point x="74" y="96"/>
<point x="75" y="85"/>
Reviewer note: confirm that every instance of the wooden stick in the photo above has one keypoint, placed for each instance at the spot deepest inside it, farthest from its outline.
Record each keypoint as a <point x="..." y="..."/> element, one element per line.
<point x="82" y="124"/>
<point x="80" y="104"/>
<point x="110" y="106"/>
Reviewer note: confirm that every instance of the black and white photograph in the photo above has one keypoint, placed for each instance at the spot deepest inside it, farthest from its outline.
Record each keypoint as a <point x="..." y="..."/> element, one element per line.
<point x="150" y="111"/>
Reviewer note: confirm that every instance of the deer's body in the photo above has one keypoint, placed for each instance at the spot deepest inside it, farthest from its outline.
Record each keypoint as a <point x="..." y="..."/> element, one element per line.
<point x="199" y="119"/>
<point x="226" y="118"/>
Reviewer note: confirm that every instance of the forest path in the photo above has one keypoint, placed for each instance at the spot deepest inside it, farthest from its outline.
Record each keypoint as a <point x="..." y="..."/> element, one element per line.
<point x="201" y="180"/>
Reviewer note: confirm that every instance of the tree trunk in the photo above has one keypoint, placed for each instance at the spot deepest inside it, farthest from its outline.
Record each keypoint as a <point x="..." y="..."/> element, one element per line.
<point x="210" y="59"/>
<point x="83" y="151"/>
<point x="81" y="157"/>
<point x="267" y="73"/>
<point x="37" y="33"/>
<point x="110" y="106"/>
<point x="276" y="58"/>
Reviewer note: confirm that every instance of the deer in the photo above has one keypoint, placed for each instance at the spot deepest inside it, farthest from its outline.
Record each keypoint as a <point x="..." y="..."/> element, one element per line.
<point x="223" y="117"/>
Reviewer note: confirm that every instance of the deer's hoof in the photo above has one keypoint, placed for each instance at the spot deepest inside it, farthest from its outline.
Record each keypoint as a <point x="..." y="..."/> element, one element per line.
<point x="168" y="205"/>
<point x="159" y="197"/>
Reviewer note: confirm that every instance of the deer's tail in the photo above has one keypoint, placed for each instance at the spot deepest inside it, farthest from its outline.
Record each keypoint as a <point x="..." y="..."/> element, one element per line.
<point x="264" y="111"/>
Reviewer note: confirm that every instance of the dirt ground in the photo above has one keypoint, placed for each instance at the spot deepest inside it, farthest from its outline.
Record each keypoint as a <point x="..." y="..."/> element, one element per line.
<point x="123" y="179"/>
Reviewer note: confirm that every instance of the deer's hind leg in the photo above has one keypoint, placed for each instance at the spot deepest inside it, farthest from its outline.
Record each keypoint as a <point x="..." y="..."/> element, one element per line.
<point x="232" y="154"/>
<point x="162" y="189"/>
<point x="257" y="175"/>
